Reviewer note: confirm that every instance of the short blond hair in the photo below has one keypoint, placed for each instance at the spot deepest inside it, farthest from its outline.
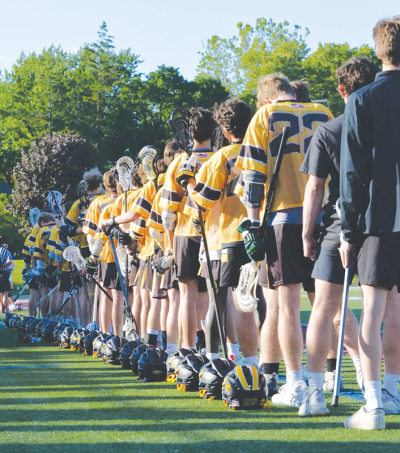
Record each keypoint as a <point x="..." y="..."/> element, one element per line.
<point x="272" y="86"/>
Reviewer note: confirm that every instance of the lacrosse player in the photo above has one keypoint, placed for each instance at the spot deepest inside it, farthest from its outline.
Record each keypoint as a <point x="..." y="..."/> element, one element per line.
<point x="287" y="267"/>
<point x="6" y="263"/>
<point x="370" y="210"/>
<point x="193" y="289"/>
<point x="323" y="160"/>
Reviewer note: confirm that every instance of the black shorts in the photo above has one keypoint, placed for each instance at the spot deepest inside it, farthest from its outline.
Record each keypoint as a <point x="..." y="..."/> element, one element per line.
<point x="133" y="271"/>
<point x="51" y="282"/>
<point x="33" y="284"/>
<point x="111" y="279"/>
<point x="328" y="266"/>
<point x="232" y="259"/>
<point x="187" y="262"/>
<point x="156" y="291"/>
<point x="101" y="271"/>
<point x="85" y="252"/>
<point x="5" y="284"/>
<point x="65" y="282"/>
<point x="378" y="261"/>
<point x="286" y="262"/>
<point x="168" y="281"/>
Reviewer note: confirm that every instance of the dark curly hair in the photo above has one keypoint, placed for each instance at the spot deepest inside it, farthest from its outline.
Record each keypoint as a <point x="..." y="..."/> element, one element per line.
<point x="234" y="115"/>
<point x="203" y="124"/>
<point x="356" y="73"/>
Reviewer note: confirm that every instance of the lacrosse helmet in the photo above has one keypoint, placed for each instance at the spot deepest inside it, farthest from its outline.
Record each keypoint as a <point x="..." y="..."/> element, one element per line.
<point x="74" y="339"/>
<point x="7" y="319"/>
<point x="112" y="348"/>
<point x="48" y="331"/>
<point x="23" y="324"/>
<point x="211" y="377"/>
<point x="174" y="360"/>
<point x="187" y="373"/>
<point x="12" y="321"/>
<point x="98" y="344"/>
<point x="65" y="337"/>
<point x="39" y="326"/>
<point x="244" y="388"/>
<point x="126" y="352"/>
<point x="87" y="347"/>
<point x="135" y="357"/>
<point x="31" y="325"/>
<point x="152" y="366"/>
<point x="58" y="330"/>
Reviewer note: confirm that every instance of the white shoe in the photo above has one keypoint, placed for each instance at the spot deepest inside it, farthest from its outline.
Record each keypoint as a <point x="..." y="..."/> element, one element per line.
<point x="290" y="397"/>
<point x="366" y="420"/>
<point x="314" y="404"/>
<point x="305" y="373"/>
<point x="329" y="381"/>
<point x="391" y="404"/>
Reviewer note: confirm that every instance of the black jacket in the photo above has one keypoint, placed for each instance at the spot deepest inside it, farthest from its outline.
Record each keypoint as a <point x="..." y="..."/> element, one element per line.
<point x="370" y="159"/>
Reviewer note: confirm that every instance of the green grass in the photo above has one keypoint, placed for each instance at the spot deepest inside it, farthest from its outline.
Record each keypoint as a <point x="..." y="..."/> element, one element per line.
<point x="84" y="405"/>
<point x="17" y="276"/>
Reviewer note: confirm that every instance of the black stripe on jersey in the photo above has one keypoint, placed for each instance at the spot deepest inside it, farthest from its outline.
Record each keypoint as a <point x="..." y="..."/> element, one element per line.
<point x="156" y="218"/>
<point x="88" y="224"/>
<point x="69" y="222"/>
<point x="143" y="203"/>
<point x="207" y="192"/>
<point x="170" y="196"/>
<point x="253" y="152"/>
<point x="4" y="255"/>
<point x="38" y="250"/>
<point x="140" y="222"/>
<point x="32" y="239"/>
<point x="230" y="164"/>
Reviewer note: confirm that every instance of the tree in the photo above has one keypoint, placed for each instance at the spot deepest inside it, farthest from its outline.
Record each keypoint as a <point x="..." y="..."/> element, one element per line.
<point x="9" y="226"/>
<point x="56" y="162"/>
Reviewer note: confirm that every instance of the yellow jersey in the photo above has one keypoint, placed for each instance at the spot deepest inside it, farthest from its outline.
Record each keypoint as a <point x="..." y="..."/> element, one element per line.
<point x="92" y="215"/>
<point x="42" y="239"/>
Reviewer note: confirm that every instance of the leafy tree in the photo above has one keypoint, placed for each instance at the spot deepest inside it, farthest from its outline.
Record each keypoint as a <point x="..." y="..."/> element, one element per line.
<point x="56" y="162"/>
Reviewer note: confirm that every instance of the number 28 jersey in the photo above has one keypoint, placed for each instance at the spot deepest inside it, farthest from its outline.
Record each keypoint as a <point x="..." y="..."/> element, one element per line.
<point x="261" y="144"/>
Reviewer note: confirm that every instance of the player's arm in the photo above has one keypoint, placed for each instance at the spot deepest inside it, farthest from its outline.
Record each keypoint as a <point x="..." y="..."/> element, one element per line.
<point x="313" y="197"/>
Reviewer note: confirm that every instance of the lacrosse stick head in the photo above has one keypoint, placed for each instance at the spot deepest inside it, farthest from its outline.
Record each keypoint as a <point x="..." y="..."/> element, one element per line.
<point x="219" y="139"/>
<point x="82" y="191"/>
<point x="180" y="123"/>
<point x="121" y="255"/>
<point x="73" y="254"/>
<point x="148" y="157"/>
<point x="54" y="199"/>
<point x="124" y="167"/>
<point x="34" y="214"/>
<point x="246" y="289"/>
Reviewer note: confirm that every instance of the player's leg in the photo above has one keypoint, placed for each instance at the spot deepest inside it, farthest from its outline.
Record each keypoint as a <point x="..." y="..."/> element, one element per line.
<point x="232" y="341"/>
<point x="33" y="300"/>
<point x="201" y="312"/>
<point x="211" y="326"/>
<point x="188" y="288"/>
<point x="153" y="322"/>
<point x="172" y="321"/>
<point x="163" y="320"/>
<point x="144" y="313"/>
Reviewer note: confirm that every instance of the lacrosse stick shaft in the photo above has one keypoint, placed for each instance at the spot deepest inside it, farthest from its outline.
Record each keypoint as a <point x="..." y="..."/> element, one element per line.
<point x="22" y="290"/>
<point x="336" y="389"/>
<point x="96" y="301"/>
<point x="121" y="279"/>
<point x="214" y="288"/>
<point x="125" y="208"/>
<point x="102" y="289"/>
<point x="45" y="297"/>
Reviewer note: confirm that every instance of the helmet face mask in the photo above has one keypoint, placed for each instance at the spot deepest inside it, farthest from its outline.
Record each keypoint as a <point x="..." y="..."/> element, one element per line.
<point x="152" y="365"/>
<point x="112" y="348"/>
<point x="126" y="353"/>
<point x="135" y="357"/>
<point x="244" y="389"/>
<point x="187" y="373"/>
<point x="211" y="377"/>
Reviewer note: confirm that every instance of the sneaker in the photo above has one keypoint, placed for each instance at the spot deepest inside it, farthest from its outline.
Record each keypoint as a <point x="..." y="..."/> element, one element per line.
<point x="366" y="420"/>
<point x="391" y="404"/>
<point x="290" y="397"/>
<point x="329" y="382"/>
<point x="272" y="383"/>
<point x="314" y="404"/>
<point x="304" y="373"/>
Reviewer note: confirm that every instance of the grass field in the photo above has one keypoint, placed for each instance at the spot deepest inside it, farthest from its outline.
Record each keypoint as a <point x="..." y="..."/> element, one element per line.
<point x="56" y="400"/>
<point x="17" y="276"/>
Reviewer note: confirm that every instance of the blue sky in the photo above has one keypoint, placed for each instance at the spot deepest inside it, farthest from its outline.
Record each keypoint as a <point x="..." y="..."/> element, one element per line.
<point x="173" y="32"/>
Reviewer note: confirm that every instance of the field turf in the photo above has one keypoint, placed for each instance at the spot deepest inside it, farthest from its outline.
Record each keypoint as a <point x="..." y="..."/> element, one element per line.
<point x="60" y="401"/>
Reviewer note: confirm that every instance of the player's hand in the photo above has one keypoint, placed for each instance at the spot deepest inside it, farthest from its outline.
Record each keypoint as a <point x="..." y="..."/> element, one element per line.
<point x="104" y="223"/>
<point x="255" y="248"/>
<point x="310" y="248"/>
<point x="186" y="171"/>
<point x="68" y="230"/>
<point x="122" y="237"/>
<point x="90" y="269"/>
<point x="348" y="254"/>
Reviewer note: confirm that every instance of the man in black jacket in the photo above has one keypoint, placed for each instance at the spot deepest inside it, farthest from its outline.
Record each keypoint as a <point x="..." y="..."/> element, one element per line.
<point x="370" y="218"/>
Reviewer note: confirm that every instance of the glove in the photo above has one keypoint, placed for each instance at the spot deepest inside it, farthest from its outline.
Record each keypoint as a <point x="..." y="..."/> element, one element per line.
<point x="50" y="271"/>
<point x="161" y="265"/>
<point x="187" y="170"/>
<point x="122" y="237"/>
<point x="196" y="224"/>
<point x="255" y="248"/>
<point x="68" y="230"/>
<point x="25" y="270"/>
<point x="110" y="227"/>
<point x="81" y="218"/>
<point x="90" y="269"/>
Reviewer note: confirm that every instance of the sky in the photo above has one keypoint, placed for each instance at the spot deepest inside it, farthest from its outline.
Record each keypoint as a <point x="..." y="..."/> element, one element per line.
<point x="173" y="32"/>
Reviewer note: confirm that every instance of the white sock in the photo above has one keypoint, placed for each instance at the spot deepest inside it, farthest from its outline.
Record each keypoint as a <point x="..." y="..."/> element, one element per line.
<point x="233" y="350"/>
<point x="373" y="395"/>
<point x="391" y="383"/>
<point x="212" y="355"/>
<point x="293" y="378"/>
<point x="152" y="331"/>
<point x="171" y="348"/>
<point x="315" y="380"/>
<point x="357" y="363"/>
<point x="251" y="361"/>
<point x="203" y="325"/>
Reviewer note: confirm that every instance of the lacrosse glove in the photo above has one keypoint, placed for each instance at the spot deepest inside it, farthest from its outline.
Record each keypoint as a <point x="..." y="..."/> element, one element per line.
<point x="255" y="248"/>
<point x="68" y="230"/>
<point x="122" y="237"/>
<point x="90" y="269"/>
<point x="187" y="170"/>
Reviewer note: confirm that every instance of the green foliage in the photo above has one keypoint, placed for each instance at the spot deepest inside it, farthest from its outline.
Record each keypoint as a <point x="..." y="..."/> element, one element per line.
<point x="9" y="225"/>
<point x="56" y="162"/>
<point x="270" y="47"/>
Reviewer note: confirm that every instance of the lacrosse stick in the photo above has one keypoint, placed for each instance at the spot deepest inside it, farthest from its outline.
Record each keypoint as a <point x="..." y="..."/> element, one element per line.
<point x="34" y="214"/>
<point x="54" y="199"/>
<point x="249" y="273"/>
<point x="45" y="297"/>
<point x="180" y="123"/>
<point x="130" y="321"/>
<point x="22" y="290"/>
<point x="82" y="192"/>
<point x="219" y="138"/>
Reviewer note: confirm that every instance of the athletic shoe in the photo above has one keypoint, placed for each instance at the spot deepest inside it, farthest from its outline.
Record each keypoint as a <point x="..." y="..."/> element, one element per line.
<point x="304" y="373"/>
<point x="290" y="397"/>
<point x="272" y="383"/>
<point x="366" y="420"/>
<point x="329" y="382"/>
<point x="391" y="404"/>
<point x="314" y="404"/>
